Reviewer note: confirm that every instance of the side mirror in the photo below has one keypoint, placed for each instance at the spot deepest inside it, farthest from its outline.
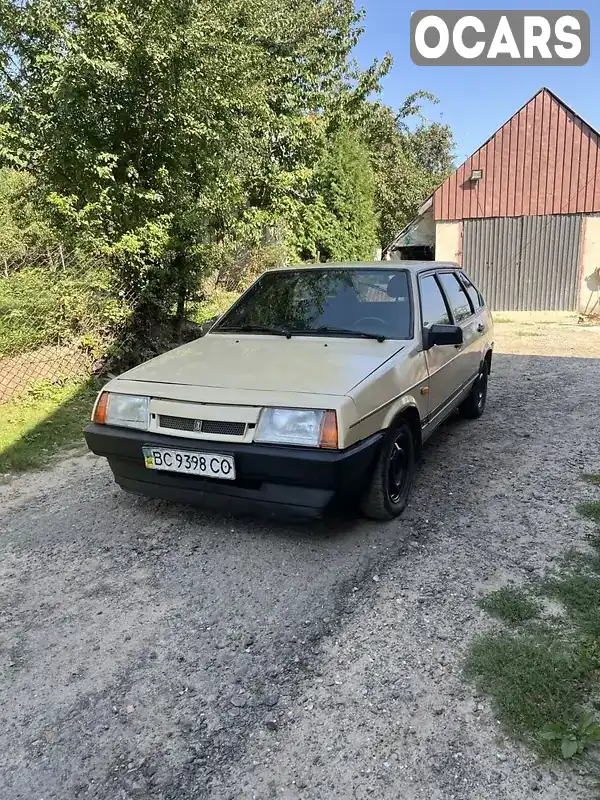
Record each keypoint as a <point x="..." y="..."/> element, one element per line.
<point x="442" y="335"/>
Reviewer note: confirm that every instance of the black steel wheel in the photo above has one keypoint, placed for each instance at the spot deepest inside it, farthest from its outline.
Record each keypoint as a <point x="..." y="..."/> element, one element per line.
<point x="388" y="492"/>
<point x="474" y="406"/>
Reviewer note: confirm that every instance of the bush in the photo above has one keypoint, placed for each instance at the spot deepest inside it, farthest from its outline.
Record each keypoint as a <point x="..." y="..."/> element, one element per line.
<point x="39" y="306"/>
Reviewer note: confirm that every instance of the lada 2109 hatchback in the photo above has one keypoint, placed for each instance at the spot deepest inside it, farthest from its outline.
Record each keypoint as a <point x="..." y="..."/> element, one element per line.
<point x="320" y="384"/>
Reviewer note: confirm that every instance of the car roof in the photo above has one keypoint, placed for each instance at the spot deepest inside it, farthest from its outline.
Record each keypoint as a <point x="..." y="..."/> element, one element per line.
<point x="411" y="266"/>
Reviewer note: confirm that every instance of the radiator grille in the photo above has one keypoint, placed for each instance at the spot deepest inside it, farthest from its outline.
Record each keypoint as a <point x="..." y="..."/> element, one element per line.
<point x="177" y="423"/>
<point x="224" y="428"/>
<point x="214" y="427"/>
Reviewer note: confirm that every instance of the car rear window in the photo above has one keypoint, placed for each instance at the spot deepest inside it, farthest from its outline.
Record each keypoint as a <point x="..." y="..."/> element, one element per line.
<point x="473" y="293"/>
<point x="304" y="301"/>
<point x="460" y="303"/>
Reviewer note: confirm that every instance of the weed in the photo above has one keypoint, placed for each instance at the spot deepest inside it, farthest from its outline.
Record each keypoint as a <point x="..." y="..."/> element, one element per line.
<point x="574" y="737"/>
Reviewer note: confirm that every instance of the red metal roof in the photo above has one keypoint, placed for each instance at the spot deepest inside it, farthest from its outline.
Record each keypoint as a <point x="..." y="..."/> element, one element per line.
<point x="544" y="160"/>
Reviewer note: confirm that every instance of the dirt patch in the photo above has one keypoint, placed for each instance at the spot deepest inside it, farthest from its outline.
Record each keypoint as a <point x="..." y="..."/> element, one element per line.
<point x="52" y="362"/>
<point x="546" y="334"/>
<point x="156" y="651"/>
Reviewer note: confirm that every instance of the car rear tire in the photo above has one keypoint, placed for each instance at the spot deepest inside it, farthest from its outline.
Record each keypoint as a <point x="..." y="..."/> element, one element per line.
<point x="388" y="492"/>
<point x="474" y="406"/>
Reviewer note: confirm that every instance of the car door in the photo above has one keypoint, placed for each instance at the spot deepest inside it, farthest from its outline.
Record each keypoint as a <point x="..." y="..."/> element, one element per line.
<point x="442" y="361"/>
<point x="483" y="322"/>
<point x="463" y="315"/>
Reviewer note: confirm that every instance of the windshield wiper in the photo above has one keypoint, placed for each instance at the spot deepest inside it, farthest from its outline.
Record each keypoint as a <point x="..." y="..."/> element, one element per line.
<point x="349" y="332"/>
<point x="258" y="329"/>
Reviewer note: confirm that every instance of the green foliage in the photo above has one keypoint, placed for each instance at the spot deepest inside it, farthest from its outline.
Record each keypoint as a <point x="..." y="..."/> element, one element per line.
<point x="48" y="419"/>
<point x="162" y="132"/>
<point x="341" y="224"/>
<point x="179" y="136"/>
<point x="574" y="737"/>
<point x="409" y="163"/>
<point x="218" y="304"/>
<point x="24" y="232"/>
<point x="511" y="605"/>
<point x="40" y="306"/>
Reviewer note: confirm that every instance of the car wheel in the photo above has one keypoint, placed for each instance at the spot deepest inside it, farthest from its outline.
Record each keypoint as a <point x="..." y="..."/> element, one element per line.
<point x="392" y="478"/>
<point x="474" y="406"/>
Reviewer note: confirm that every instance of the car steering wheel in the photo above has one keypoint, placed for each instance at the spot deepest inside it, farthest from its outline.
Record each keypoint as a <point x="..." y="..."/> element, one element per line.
<point x="384" y="322"/>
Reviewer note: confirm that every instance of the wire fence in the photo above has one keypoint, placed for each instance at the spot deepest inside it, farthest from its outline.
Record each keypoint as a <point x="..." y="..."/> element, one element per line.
<point x="60" y="312"/>
<point x="64" y="316"/>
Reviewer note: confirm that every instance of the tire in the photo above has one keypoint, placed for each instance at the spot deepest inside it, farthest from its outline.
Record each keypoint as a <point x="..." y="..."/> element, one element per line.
<point x="474" y="406"/>
<point x="389" y="489"/>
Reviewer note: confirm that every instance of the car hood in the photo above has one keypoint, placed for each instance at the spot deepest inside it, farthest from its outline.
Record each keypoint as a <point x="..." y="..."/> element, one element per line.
<point x="328" y="366"/>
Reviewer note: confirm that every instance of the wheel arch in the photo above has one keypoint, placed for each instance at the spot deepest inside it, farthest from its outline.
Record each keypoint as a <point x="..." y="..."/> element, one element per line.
<point x="409" y="411"/>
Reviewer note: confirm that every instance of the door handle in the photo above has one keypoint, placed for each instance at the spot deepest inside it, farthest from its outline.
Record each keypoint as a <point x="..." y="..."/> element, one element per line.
<point x="480" y="328"/>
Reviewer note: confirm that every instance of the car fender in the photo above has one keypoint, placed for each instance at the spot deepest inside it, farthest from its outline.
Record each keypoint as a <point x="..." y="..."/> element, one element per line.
<point x="399" y="406"/>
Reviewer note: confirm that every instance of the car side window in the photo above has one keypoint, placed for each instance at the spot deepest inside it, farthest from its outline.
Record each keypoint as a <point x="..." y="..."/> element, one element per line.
<point x="460" y="303"/>
<point x="433" y="305"/>
<point x="472" y="291"/>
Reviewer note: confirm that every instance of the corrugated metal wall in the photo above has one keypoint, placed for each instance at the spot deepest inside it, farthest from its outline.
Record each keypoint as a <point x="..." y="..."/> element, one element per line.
<point x="525" y="263"/>
<point x="544" y="160"/>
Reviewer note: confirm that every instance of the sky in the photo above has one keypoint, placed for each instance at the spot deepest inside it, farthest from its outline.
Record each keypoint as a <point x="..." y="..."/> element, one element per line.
<point x="476" y="101"/>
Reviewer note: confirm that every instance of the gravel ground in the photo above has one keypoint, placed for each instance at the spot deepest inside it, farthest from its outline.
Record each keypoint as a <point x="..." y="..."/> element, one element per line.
<point x="156" y="651"/>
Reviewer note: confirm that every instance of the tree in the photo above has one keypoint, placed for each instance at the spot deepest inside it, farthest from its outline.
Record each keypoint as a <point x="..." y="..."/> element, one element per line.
<point x="409" y="163"/>
<point x="24" y="233"/>
<point x="340" y="224"/>
<point x="164" y="129"/>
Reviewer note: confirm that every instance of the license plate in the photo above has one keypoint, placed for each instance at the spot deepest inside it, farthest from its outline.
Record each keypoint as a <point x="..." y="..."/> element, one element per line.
<point x="208" y="465"/>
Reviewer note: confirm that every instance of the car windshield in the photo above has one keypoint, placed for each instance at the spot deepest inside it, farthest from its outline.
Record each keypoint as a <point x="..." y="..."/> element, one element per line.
<point x="373" y="303"/>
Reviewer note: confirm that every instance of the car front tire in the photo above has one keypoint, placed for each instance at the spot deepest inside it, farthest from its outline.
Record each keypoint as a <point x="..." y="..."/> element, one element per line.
<point x="388" y="492"/>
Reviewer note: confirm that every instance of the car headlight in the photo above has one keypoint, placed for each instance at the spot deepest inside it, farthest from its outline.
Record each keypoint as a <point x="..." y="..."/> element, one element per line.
<point x="122" y="410"/>
<point x="299" y="426"/>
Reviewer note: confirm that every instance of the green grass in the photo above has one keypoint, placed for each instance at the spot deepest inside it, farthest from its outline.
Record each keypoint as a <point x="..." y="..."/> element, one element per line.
<point x="579" y="592"/>
<point x="38" y="425"/>
<point x="591" y="510"/>
<point x="593" y="479"/>
<point x="217" y="305"/>
<point x="511" y="605"/>
<point x="541" y="672"/>
<point x="534" y="679"/>
<point x="500" y="320"/>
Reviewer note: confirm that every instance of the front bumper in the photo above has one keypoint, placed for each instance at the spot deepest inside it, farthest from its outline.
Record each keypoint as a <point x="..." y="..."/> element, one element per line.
<point x="297" y="481"/>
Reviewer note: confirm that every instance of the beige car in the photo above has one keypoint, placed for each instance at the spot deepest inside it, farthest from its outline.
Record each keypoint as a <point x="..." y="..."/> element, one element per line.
<point x="318" y="387"/>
